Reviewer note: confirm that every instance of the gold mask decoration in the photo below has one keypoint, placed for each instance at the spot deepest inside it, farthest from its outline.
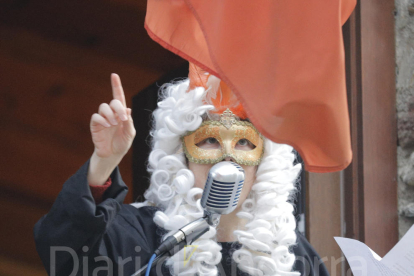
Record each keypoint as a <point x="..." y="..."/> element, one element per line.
<point x="214" y="141"/>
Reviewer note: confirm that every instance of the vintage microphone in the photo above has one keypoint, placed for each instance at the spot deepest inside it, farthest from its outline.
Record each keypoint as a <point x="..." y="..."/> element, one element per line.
<point x="220" y="196"/>
<point x="222" y="190"/>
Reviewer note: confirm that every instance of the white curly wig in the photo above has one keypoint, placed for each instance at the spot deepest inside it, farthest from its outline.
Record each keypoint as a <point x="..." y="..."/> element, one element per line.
<point x="270" y="230"/>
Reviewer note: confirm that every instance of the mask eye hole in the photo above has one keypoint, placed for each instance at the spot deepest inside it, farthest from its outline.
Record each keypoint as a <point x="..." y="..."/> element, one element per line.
<point x="209" y="143"/>
<point x="244" y="144"/>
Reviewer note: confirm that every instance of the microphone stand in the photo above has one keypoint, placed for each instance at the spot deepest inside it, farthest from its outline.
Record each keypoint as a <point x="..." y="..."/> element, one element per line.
<point x="192" y="231"/>
<point x="184" y="236"/>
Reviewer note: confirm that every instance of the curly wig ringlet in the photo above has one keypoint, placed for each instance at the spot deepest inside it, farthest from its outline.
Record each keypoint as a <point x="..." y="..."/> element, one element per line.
<point x="270" y="230"/>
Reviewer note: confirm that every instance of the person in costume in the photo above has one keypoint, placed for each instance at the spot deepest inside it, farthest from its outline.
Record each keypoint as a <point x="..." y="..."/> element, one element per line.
<point x="198" y="123"/>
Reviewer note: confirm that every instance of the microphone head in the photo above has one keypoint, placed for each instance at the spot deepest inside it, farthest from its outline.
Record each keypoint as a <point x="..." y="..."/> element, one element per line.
<point x="223" y="188"/>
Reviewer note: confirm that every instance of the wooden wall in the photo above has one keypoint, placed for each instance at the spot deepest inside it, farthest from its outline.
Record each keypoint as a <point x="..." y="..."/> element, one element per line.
<point x="55" y="62"/>
<point x="324" y="219"/>
<point x="371" y="213"/>
<point x="365" y="206"/>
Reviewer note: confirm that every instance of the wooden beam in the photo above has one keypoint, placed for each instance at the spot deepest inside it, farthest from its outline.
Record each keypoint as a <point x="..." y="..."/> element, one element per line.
<point x="49" y="91"/>
<point x="19" y="218"/>
<point x="141" y="5"/>
<point x="105" y="27"/>
<point x="371" y="183"/>
<point x="12" y="267"/>
<point x="323" y="218"/>
<point x="379" y="123"/>
<point x="353" y="175"/>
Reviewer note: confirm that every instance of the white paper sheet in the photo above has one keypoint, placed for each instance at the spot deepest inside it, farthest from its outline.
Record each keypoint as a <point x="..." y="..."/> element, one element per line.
<point x="365" y="262"/>
<point x="361" y="260"/>
<point x="401" y="256"/>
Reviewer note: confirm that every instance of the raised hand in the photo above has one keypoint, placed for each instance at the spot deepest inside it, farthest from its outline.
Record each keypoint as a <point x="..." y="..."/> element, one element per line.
<point x="112" y="131"/>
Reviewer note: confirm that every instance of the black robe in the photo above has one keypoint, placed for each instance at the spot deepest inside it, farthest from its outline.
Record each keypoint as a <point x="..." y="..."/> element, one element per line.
<point x="78" y="237"/>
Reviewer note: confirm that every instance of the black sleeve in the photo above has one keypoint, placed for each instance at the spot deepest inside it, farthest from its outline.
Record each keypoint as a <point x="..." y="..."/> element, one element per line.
<point x="308" y="261"/>
<point x="76" y="231"/>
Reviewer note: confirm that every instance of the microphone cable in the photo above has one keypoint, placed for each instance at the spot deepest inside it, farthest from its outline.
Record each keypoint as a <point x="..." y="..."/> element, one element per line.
<point x="174" y="243"/>
<point x="220" y="196"/>
<point x="150" y="264"/>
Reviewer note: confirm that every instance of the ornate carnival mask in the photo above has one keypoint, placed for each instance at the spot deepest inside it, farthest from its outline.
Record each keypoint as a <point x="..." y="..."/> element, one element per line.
<point x="214" y="141"/>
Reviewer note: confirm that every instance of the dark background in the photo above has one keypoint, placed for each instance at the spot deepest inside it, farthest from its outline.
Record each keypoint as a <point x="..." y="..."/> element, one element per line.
<point x="56" y="58"/>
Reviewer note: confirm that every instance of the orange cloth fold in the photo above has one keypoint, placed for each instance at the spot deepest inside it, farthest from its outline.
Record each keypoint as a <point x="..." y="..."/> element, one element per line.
<point x="283" y="59"/>
<point x="199" y="78"/>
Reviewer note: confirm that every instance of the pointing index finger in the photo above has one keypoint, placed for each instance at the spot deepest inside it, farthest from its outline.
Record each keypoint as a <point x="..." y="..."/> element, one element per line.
<point x="117" y="91"/>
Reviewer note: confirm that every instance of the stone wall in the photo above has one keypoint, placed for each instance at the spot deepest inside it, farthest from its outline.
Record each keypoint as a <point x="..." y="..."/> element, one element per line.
<point x="404" y="37"/>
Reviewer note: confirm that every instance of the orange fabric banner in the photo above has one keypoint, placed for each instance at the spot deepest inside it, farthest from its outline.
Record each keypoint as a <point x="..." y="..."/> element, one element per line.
<point x="283" y="59"/>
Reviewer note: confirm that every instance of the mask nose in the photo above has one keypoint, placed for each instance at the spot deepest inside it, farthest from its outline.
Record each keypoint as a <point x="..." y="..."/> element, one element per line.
<point x="227" y="147"/>
<point x="227" y="150"/>
<point x="229" y="159"/>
